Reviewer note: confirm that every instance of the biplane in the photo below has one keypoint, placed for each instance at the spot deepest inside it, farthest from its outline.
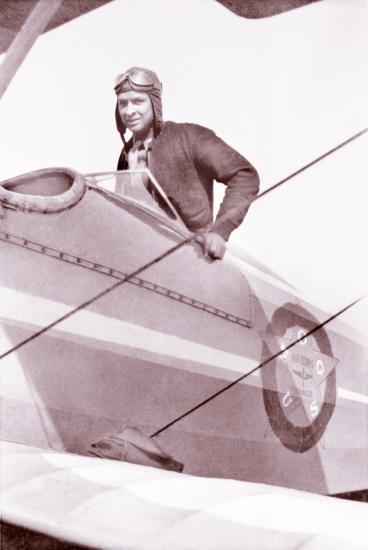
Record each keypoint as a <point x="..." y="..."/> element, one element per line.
<point x="112" y="317"/>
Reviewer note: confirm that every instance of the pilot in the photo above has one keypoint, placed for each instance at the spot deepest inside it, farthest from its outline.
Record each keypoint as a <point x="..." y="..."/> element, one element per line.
<point x="185" y="159"/>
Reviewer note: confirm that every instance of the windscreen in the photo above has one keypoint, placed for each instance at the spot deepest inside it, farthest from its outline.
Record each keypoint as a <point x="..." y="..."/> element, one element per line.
<point x="137" y="186"/>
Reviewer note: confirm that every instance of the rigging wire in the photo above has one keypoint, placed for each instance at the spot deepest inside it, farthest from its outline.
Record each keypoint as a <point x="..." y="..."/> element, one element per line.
<point x="243" y="376"/>
<point x="139" y="270"/>
<point x="96" y="297"/>
<point x="306" y="166"/>
<point x="123" y="280"/>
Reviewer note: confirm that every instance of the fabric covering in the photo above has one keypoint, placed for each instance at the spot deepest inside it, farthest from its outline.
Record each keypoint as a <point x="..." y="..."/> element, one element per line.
<point x="110" y="504"/>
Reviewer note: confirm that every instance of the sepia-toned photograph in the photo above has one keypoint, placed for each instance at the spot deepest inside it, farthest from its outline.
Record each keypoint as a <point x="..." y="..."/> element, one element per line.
<point x="183" y="274"/>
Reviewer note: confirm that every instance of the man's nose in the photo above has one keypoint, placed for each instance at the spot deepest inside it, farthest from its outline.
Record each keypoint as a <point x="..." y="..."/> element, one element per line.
<point x="129" y="109"/>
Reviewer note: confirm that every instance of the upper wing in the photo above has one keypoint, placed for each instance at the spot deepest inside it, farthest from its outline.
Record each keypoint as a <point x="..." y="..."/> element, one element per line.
<point x="14" y="14"/>
<point x="107" y="504"/>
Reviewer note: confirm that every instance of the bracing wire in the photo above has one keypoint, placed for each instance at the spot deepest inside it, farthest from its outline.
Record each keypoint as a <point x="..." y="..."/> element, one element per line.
<point x="312" y="163"/>
<point x="243" y="376"/>
<point x="127" y="277"/>
<point x="96" y="297"/>
<point x="136" y="272"/>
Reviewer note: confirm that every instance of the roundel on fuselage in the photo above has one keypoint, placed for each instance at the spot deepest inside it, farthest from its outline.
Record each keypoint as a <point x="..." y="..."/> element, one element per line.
<point x="299" y="385"/>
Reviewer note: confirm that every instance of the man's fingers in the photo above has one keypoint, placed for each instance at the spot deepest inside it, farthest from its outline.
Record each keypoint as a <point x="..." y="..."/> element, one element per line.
<point x="217" y="252"/>
<point x="212" y="245"/>
<point x="207" y="247"/>
<point x="213" y="249"/>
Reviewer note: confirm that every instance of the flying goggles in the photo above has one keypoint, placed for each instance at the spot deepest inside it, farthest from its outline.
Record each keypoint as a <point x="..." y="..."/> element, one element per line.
<point x="140" y="80"/>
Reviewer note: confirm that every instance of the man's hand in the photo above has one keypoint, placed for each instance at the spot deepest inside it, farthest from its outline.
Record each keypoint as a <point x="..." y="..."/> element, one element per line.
<point x="213" y="245"/>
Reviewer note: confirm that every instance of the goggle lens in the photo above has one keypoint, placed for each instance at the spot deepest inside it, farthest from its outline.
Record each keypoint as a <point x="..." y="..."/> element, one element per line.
<point x="138" y="80"/>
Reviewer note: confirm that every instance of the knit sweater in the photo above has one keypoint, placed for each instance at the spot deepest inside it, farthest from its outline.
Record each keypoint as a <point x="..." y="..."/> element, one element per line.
<point x="186" y="159"/>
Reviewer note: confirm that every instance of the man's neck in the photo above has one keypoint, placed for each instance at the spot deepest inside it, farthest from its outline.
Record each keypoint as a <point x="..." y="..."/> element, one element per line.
<point x="146" y="136"/>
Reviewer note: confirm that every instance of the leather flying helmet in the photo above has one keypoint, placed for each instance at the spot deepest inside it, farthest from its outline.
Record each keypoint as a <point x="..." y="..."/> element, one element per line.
<point x="139" y="79"/>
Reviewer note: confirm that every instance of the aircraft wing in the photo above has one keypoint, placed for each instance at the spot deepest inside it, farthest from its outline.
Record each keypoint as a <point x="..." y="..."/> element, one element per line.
<point x="13" y="14"/>
<point x="108" y="504"/>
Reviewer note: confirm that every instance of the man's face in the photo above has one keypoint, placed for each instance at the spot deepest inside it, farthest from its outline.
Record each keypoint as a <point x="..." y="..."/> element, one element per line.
<point x="136" y="111"/>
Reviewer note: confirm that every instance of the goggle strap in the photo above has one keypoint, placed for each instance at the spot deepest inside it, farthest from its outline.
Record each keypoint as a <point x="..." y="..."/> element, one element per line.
<point x="142" y="87"/>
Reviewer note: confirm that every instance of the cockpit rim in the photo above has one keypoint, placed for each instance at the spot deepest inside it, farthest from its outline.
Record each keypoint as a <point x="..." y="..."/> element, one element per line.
<point x="177" y="223"/>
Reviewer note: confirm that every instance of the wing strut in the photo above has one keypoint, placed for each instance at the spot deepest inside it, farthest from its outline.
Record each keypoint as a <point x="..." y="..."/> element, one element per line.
<point x="33" y="26"/>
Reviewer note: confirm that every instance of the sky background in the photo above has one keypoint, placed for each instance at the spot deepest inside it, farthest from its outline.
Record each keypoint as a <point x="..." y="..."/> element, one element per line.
<point x="282" y="90"/>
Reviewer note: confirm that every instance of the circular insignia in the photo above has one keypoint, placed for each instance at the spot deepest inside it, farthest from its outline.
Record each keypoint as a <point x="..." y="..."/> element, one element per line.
<point x="299" y="386"/>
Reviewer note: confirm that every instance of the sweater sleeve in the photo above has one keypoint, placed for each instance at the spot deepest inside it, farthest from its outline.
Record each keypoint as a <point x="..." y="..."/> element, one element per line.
<point x="222" y="163"/>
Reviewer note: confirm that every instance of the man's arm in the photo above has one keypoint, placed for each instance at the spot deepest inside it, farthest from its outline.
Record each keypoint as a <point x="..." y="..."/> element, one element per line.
<point x="225" y="165"/>
<point x="222" y="163"/>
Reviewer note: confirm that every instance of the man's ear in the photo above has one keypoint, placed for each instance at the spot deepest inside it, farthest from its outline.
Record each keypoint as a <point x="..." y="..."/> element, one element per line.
<point x="119" y="123"/>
